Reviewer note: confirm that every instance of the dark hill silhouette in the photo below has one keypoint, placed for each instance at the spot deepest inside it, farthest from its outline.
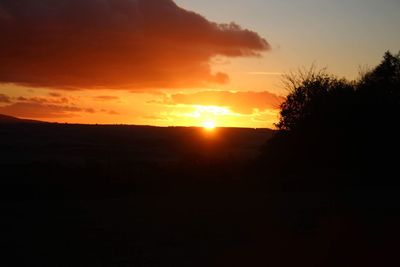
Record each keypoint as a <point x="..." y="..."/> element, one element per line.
<point x="10" y="119"/>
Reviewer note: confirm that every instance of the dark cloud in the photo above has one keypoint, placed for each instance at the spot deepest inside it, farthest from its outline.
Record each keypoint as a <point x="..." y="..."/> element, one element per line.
<point x="44" y="100"/>
<point x="240" y="102"/>
<point x="36" y="110"/>
<point x="5" y="98"/>
<point x="147" y="92"/>
<point x="110" y="112"/>
<point x="113" y="112"/>
<point x="106" y="98"/>
<point x="22" y="98"/>
<point x="55" y="94"/>
<point x="89" y="110"/>
<point x="115" y="44"/>
<point x="42" y="107"/>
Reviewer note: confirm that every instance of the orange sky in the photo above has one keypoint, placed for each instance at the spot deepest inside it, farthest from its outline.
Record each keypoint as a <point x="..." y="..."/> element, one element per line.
<point x="161" y="108"/>
<point x="143" y="62"/>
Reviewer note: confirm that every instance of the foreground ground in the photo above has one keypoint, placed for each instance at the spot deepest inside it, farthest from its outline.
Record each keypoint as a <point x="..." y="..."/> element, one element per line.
<point x="76" y="195"/>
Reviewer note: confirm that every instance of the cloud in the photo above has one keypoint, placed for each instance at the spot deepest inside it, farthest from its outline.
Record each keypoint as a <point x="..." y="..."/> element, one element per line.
<point x="55" y="106"/>
<point x="89" y="110"/>
<point x="240" y="102"/>
<point x="115" y="44"/>
<point x="44" y="100"/>
<point x="55" y="94"/>
<point x="106" y="98"/>
<point x="5" y="98"/>
<point x="36" y="110"/>
<point x="110" y="112"/>
<point x="266" y="73"/>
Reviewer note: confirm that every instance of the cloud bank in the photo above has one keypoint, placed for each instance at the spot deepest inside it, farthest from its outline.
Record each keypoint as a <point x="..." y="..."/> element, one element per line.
<point x="115" y="44"/>
<point x="40" y="110"/>
<point x="239" y="102"/>
<point x="54" y="106"/>
<point x="4" y="98"/>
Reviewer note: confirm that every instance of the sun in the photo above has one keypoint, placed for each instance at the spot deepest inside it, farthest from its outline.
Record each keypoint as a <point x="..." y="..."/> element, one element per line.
<point x="209" y="125"/>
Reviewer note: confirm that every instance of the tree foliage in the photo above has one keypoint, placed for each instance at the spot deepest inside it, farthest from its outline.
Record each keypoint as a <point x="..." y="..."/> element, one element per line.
<point x="310" y="99"/>
<point x="317" y="99"/>
<point x="330" y="125"/>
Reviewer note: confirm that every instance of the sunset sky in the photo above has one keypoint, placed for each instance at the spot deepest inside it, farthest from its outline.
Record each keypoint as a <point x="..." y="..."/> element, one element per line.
<point x="178" y="63"/>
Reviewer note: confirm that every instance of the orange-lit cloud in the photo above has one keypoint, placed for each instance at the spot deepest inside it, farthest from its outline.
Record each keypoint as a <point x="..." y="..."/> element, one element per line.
<point x="54" y="94"/>
<point x="110" y="112"/>
<point x="114" y="44"/>
<point x="45" y="107"/>
<point x="238" y="102"/>
<point x="4" y="98"/>
<point x="42" y="110"/>
<point x="106" y="98"/>
<point x="44" y="100"/>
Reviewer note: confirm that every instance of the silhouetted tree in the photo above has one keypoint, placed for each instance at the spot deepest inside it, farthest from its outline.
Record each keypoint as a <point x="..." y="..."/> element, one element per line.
<point x="385" y="76"/>
<point x="335" y="133"/>
<point x="379" y="91"/>
<point x="312" y="99"/>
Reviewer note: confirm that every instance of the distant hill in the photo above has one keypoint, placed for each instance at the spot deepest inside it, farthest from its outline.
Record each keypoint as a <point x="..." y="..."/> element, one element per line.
<point x="10" y="119"/>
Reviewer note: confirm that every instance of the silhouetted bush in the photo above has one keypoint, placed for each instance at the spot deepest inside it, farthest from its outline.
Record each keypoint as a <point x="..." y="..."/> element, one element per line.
<point x="337" y="134"/>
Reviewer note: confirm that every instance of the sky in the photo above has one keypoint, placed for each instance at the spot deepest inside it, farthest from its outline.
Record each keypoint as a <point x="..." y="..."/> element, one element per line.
<point x="179" y="63"/>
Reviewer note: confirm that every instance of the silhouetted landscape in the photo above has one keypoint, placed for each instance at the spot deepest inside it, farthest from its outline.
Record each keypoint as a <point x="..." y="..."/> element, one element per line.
<point x="187" y="133"/>
<point x="81" y="195"/>
<point x="321" y="190"/>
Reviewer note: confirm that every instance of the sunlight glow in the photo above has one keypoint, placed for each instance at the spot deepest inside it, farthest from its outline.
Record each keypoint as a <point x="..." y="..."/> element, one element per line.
<point x="198" y="115"/>
<point x="207" y="116"/>
<point x="207" y="111"/>
<point x="209" y="125"/>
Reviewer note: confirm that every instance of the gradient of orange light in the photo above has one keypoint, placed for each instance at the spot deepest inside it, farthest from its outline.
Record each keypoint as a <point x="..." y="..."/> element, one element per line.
<point x="140" y="109"/>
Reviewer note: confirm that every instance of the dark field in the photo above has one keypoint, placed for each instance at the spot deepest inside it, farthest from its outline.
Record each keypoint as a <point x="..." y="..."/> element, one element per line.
<point x="81" y="144"/>
<point x="76" y="195"/>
